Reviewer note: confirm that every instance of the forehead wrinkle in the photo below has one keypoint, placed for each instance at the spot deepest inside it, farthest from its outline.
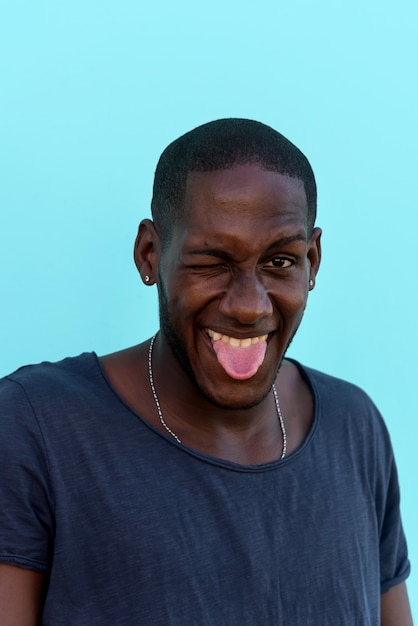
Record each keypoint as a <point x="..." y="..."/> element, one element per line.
<point x="241" y="190"/>
<point x="283" y="241"/>
<point x="236" y="218"/>
<point x="242" y="205"/>
<point x="221" y="253"/>
<point x="228" y="205"/>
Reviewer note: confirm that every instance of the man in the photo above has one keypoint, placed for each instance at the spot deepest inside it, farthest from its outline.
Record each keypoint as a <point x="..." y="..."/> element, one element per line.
<point x="200" y="477"/>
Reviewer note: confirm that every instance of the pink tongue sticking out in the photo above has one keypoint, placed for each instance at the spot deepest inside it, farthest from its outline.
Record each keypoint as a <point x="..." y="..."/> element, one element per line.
<point x="240" y="363"/>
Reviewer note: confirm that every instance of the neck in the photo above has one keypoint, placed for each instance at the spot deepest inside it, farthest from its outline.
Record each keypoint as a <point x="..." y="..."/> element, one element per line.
<point x="236" y="429"/>
<point x="227" y="434"/>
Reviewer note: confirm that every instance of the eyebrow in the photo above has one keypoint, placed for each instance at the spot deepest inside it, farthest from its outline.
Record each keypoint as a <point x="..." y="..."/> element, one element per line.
<point x="217" y="252"/>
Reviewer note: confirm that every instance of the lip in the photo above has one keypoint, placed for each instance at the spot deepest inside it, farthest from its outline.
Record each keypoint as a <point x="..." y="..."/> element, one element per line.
<point x="236" y="335"/>
<point x="210" y="345"/>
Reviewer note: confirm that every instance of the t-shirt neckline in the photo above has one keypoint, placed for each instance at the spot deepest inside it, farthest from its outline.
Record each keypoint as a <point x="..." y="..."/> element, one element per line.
<point x="224" y="462"/>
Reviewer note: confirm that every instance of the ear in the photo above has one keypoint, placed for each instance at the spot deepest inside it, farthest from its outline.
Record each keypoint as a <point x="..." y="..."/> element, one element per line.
<point x="314" y="255"/>
<point x="147" y="252"/>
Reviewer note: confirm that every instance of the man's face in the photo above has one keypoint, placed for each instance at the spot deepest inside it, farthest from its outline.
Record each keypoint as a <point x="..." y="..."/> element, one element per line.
<point x="233" y="282"/>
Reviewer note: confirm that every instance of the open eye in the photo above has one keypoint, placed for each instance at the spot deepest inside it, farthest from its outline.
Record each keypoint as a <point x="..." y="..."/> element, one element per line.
<point x="279" y="262"/>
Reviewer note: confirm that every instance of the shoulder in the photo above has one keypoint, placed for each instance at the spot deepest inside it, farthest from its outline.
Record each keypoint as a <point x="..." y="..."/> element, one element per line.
<point x="67" y="369"/>
<point x="335" y="393"/>
<point x="352" y="440"/>
<point x="45" y="379"/>
<point x="333" y="386"/>
<point x="32" y="394"/>
<point x="346" y="409"/>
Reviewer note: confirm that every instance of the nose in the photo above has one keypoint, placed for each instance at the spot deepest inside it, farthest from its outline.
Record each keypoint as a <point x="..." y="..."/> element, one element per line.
<point x="246" y="300"/>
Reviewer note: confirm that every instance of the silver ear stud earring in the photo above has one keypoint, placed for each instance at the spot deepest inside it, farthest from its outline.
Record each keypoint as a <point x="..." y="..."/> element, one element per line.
<point x="311" y="284"/>
<point x="147" y="279"/>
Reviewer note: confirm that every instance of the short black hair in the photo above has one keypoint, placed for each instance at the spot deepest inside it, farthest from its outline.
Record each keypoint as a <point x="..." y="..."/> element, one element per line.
<point x="221" y="145"/>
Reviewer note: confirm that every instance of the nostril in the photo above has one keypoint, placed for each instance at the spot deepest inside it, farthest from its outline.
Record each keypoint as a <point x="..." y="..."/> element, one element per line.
<point x="246" y="301"/>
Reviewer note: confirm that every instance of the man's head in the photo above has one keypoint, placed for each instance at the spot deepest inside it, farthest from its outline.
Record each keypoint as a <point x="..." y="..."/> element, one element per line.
<point x="222" y="145"/>
<point x="233" y="252"/>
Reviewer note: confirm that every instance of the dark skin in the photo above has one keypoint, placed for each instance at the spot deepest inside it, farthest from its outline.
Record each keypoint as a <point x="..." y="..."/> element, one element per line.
<point x="239" y="264"/>
<point x="21" y="593"/>
<point x="240" y="443"/>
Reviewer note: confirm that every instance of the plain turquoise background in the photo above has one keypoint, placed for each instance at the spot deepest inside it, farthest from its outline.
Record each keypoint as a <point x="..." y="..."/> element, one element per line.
<point x="93" y="91"/>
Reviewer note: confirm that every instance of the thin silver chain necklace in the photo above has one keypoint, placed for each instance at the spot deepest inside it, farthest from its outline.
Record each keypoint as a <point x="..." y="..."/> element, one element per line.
<point x="173" y="434"/>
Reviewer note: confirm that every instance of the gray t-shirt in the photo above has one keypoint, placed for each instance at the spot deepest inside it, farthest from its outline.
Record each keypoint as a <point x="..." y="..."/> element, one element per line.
<point x="133" y="528"/>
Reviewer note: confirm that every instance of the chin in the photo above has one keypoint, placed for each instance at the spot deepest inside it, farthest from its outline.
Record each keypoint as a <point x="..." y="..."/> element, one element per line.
<point x="236" y="395"/>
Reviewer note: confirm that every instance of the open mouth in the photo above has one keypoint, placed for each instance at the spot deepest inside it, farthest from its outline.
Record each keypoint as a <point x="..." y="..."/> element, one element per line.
<point x="234" y="341"/>
<point x="240" y="358"/>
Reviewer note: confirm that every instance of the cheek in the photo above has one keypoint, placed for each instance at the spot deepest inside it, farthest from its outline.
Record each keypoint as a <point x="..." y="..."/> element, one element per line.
<point x="183" y="302"/>
<point x="194" y="296"/>
<point x="292" y="300"/>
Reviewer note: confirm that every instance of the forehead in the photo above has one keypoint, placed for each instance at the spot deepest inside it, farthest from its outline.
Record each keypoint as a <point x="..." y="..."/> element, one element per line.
<point x="243" y="193"/>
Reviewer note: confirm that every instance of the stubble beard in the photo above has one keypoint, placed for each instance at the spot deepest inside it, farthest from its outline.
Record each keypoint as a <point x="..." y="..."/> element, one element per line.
<point x="178" y="348"/>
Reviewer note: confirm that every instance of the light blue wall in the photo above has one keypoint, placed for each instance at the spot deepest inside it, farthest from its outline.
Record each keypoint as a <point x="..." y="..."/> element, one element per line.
<point x="93" y="91"/>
